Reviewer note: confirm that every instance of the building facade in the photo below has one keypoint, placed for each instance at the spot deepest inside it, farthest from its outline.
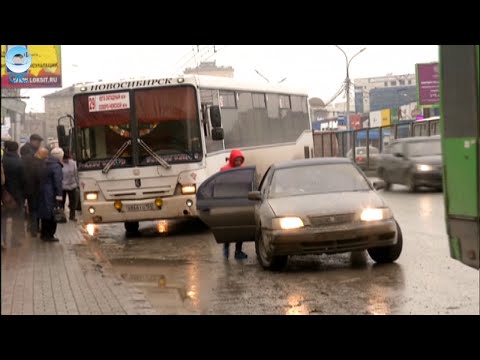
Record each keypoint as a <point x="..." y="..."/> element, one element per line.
<point x="388" y="91"/>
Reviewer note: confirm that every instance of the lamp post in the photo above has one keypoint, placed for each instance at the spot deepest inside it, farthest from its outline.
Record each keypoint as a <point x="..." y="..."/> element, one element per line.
<point x="347" y="81"/>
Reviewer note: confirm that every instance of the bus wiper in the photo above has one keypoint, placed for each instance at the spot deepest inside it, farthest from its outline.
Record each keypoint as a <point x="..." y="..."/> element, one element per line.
<point x="152" y="153"/>
<point x="115" y="157"/>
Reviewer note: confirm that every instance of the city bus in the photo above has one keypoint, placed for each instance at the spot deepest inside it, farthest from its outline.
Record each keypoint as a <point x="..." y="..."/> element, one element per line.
<point x="144" y="146"/>
<point x="460" y="131"/>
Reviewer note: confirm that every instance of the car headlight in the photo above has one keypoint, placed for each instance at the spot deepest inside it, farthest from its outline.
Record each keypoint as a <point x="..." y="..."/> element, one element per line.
<point x="91" y="196"/>
<point x="287" y="223"/>
<point x="188" y="189"/>
<point x="423" y="167"/>
<point x="376" y="214"/>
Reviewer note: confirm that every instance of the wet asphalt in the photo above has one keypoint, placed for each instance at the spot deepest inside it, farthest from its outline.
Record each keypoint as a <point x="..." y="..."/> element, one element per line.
<point x="182" y="271"/>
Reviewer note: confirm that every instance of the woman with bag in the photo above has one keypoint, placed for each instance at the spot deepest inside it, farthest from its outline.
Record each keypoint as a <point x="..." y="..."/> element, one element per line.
<point x="51" y="195"/>
<point x="70" y="184"/>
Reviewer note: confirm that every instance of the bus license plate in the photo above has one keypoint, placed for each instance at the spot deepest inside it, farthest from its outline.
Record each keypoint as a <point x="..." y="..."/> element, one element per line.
<point x="140" y="207"/>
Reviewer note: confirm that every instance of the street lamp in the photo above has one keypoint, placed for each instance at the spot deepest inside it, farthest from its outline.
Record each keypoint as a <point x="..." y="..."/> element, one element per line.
<point x="347" y="81"/>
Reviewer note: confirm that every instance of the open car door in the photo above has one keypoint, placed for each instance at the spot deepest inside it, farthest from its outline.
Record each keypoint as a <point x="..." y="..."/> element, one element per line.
<point x="222" y="204"/>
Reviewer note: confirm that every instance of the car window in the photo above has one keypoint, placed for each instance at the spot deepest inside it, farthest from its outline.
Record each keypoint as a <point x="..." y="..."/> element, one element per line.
<point x="396" y="148"/>
<point x="424" y="148"/>
<point x="317" y="179"/>
<point x="229" y="184"/>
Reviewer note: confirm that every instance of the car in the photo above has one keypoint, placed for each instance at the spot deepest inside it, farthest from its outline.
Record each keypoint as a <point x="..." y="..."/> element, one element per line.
<point x="313" y="206"/>
<point x="361" y="157"/>
<point x="414" y="162"/>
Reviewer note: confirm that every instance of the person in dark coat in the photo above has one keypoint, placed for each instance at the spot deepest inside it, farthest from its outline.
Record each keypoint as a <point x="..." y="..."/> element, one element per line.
<point x="30" y="148"/>
<point x="51" y="195"/>
<point x="14" y="184"/>
<point x="35" y="171"/>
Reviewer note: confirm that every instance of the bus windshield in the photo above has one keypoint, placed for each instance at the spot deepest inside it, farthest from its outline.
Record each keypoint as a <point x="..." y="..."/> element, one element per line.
<point x="166" y="120"/>
<point x="168" y="124"/>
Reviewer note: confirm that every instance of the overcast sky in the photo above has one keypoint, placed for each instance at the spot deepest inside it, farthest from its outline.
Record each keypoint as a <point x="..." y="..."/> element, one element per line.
<point x="320" y="69"/>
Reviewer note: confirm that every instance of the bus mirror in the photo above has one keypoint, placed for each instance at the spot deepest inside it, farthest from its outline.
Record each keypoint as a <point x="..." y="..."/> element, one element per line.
<point x="217" y="133"/>
<point x="62" y="138"/>
<point x="215" y="116"/>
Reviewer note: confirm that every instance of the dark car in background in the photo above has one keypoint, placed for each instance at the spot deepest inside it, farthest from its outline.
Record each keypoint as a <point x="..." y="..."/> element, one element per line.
<point x="414" y="162"/>
<point x="315" y="206"/>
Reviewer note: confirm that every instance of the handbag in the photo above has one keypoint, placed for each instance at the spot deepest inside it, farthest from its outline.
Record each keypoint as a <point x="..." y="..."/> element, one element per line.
<point x="8" y="201"/>
<point x="59" y="215"/>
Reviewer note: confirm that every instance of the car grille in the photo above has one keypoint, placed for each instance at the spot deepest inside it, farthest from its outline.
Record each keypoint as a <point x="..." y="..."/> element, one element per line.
<point x="332" y="219"/>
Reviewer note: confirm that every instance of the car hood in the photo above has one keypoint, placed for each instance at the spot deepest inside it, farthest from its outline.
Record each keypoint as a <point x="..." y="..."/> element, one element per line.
<point x="428" y="160"/>
<point x="325" y="204"/>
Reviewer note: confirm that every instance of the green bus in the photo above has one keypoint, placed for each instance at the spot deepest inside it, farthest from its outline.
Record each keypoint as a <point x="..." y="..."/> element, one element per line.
<point x="460" y="132"/>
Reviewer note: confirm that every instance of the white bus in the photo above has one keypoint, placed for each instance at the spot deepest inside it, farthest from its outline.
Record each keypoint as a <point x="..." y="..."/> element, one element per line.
<point x="144" y="146"/>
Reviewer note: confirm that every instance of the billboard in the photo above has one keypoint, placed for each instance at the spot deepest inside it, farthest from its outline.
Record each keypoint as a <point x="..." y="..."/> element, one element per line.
<point x="375" y="118"/>
<point x="385" y="113"/>
<point x="31" y="66"/>
<point x="355" y="121"/>
<point x="428" y="83"/>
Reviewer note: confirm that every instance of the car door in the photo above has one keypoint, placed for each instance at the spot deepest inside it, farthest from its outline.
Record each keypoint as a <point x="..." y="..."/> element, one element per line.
<point x="222" y="204"/>
<point x="396" y="163"/>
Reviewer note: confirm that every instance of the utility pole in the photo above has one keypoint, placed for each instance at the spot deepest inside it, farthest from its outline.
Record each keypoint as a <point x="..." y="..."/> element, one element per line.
<point x="347" y="83"/>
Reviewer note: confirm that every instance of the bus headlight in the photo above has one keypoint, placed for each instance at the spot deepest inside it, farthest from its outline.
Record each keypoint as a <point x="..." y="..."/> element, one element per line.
<point x="376" y="214"/>
<point x="188" y="189"/>
<point x="118" y="205"/>
<point x="91" y="210"/>
<point x="189" y="203"/>
<point x="91" y="196"/>
<point x="158" y="203"/>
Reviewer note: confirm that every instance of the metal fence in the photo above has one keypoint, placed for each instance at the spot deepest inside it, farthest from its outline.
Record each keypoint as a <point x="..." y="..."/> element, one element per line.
<point x="348" y="143"/>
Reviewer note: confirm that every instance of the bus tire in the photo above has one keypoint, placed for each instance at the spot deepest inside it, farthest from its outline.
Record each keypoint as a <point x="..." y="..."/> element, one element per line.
<point x="388" y="254"/>
<point x="131" y="226"/>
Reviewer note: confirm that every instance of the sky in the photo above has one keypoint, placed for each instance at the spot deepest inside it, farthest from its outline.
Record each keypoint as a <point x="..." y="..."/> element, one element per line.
<point x="320" y="69"/>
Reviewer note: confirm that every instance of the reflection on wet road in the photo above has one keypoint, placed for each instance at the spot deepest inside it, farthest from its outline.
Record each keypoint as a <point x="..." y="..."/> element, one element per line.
<point x="182" y="271"/>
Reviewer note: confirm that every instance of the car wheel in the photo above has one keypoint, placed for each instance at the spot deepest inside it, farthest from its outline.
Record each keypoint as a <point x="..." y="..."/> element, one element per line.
<point x="131" y="226"/>
<point x="265" y="256"/>
<point x="388" y="254"/>
<point x="383" y="175"/>
<point x="411" y="183"/>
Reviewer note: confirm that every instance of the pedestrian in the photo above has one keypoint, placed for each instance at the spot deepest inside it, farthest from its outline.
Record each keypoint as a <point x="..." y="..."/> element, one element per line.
<point x="236" y="159"/>
<point x="70" y="184"/>
<point x="35" y="169"/>
<point x="14" y="185"/>
<point x="51" y="195"/>
<point x="30" y="148"/>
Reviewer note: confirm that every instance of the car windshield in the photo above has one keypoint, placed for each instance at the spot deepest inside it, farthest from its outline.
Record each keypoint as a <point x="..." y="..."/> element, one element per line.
<point x="317" y="179"/>
<point x="424" y="148"/>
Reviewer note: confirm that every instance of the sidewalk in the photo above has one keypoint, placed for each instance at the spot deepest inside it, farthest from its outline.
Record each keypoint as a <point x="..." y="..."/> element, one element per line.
<point x="51" y="278"/>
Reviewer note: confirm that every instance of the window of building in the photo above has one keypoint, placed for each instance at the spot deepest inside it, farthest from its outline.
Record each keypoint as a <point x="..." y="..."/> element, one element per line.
<point x="401" y="82"/>
<point x="393" y="83"/>
<point x="385" y="83"/>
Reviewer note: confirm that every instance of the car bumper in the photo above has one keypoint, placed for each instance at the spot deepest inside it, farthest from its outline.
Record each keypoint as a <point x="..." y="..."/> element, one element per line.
<point x="173" y="207"/>
<point x="434" y="179"/>
<point x="333" y="239"/>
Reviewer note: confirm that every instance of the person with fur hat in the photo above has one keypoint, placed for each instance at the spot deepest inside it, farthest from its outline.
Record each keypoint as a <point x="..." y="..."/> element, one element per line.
<point x="51" y="195"/>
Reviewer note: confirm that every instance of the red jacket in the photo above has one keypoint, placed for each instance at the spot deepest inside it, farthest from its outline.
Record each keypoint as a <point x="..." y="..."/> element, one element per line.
<point x="231" y="160"/>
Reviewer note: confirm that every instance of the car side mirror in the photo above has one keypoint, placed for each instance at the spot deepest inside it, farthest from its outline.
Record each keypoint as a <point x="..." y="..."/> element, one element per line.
<point x="255" y="195"/>
<point x="378" y="184"/>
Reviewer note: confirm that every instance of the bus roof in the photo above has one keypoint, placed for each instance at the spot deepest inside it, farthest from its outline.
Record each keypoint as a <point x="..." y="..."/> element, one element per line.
<point x="201" y="81"/>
